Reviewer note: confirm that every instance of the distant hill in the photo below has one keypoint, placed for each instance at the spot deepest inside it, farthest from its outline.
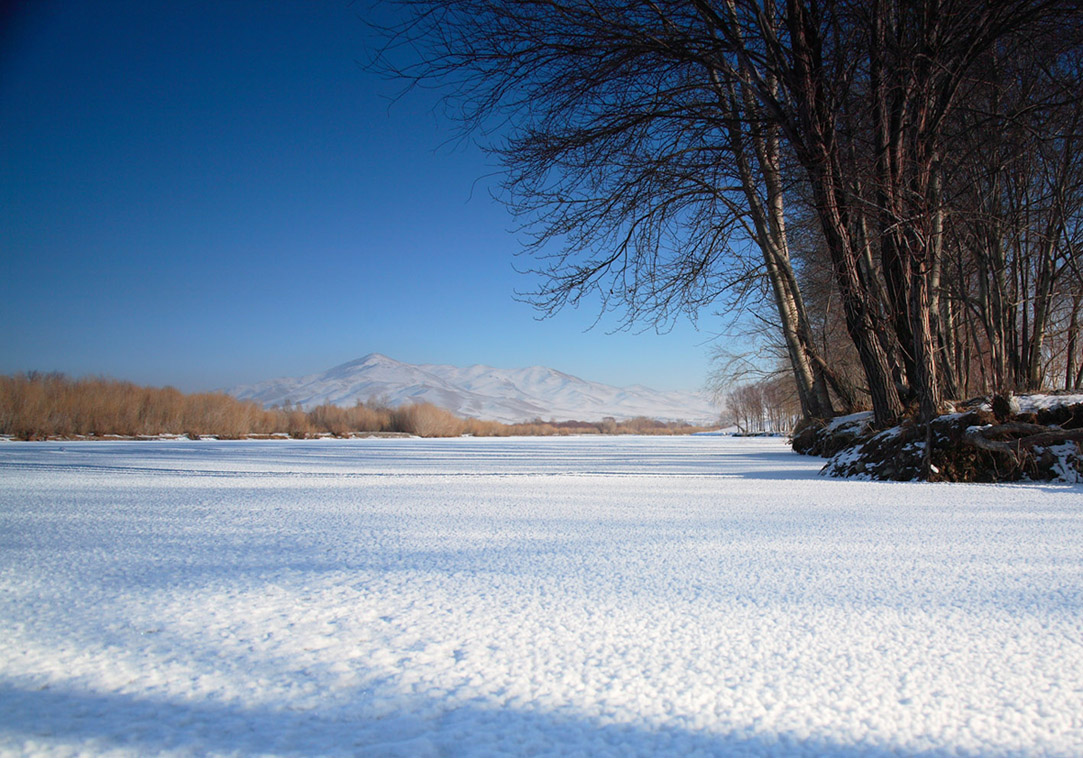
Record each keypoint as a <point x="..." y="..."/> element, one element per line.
<point x="507" y="395"/>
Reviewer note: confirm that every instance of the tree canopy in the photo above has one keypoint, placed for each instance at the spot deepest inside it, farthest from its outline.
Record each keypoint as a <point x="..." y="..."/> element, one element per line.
<point x="658" y="153"/>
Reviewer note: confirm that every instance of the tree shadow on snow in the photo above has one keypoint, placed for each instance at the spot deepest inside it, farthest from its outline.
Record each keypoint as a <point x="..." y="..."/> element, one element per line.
<point x="774" y="465"/>
<point x="41" y="719"/>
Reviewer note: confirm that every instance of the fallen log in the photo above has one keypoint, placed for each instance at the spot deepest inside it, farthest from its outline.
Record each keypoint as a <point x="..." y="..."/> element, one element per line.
<point x="1036" y="435"/>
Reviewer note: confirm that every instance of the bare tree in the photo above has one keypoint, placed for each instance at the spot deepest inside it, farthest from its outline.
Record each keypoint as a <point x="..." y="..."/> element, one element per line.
<point x="1017" y="214"/>
<point x="646" y="143"/>
<point x="639" y="158"/>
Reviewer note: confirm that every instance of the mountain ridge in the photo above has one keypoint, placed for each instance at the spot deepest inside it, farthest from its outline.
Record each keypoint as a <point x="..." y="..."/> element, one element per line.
<point x="478" y="391"/>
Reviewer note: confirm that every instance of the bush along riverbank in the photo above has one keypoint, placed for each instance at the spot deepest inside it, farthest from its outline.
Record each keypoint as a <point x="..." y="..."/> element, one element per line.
<point x="998" y="439"/>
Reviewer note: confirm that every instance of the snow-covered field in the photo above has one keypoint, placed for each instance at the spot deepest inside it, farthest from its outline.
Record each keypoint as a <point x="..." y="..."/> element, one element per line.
<point x="699" y="596"/>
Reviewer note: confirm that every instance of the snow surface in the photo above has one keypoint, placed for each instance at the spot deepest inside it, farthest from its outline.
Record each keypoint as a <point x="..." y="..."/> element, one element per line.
<point x="696" y="596"/>
<point x="857" y="420"/>
<point x="507" y="395"/>
<point x="1035" y="403"/>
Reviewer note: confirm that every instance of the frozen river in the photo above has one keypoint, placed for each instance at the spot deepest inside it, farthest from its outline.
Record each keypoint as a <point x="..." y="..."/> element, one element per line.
<point x="692" y="596"/>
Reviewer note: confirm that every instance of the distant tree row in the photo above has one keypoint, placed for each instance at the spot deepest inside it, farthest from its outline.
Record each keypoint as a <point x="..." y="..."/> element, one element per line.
<point x="768" y="405"/>
<point x="40" y="406"/>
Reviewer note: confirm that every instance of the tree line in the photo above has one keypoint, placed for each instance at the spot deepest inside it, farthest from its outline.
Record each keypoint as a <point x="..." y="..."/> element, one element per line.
<point x="768" y="405"/>
<point x="42" y="406"/>
<point x="893" y="188"/>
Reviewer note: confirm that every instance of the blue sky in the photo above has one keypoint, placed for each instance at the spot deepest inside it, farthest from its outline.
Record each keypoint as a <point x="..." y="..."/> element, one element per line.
<point x="204" y="194"/>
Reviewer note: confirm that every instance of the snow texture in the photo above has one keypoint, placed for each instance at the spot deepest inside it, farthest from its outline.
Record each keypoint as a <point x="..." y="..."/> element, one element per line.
<point x="696" y="596"/>
<point x="854" y="422"/>
<point x="1035" y="403"/>
<point x="508" y="395"/>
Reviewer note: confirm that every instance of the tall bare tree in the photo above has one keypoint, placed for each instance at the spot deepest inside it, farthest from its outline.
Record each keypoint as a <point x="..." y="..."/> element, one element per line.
<point x="646" y="144"/>
<point x="638" y="156"/>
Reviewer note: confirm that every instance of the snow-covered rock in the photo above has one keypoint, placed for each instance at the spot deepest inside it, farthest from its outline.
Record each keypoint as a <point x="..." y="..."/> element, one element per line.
<point x="1030" y="437"/>
<point x="827" y="439"/>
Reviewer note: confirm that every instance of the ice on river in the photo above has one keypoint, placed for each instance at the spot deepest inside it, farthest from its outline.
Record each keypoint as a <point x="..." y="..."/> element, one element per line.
<point x="693" y="596"/>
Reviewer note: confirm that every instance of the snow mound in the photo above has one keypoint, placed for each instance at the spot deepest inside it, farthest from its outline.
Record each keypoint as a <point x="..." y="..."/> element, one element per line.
<point x="827" y="439"/>
<point x="1034" y="437"/>
<point x="1035" y="403"/>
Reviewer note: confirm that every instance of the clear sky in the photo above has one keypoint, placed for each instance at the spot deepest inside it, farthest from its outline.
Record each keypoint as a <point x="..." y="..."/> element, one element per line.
<point x="208" y="193"/>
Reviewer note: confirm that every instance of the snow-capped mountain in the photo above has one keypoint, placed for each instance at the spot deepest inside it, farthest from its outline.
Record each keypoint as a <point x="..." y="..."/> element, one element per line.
<point x="508" y="395"/>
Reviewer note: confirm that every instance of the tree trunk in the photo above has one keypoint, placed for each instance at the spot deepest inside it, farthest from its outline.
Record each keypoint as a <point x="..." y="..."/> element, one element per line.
<point x="1070" y="349"/>
<point x="817" y="148"/>
<point x="939" y="316"/>
<point x="769" y="221"/>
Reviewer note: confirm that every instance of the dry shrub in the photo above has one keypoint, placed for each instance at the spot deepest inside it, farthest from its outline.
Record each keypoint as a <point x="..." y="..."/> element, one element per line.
<point x="478" y="428"/>
<point x="25" y="412"/>
<point x="426" y="420"/>
<point x="38" y="406"/>
<point x="296" y="424"/>
<point x="365" y="418"/>
<point x="223" y="416"/>
<point x="342" y="422"/>
<point x="331" y="419"/>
